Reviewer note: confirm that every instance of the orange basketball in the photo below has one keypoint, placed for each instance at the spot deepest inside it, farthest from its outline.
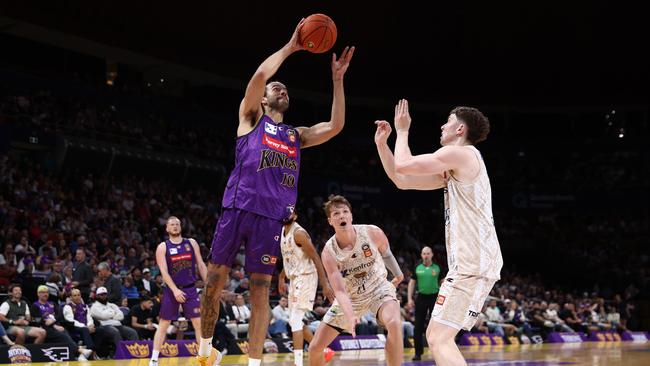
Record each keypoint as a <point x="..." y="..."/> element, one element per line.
<point x="318" y="33"/>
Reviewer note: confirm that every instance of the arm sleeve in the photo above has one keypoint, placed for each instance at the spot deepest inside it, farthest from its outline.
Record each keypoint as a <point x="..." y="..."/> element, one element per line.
<point x="391" y="263"/>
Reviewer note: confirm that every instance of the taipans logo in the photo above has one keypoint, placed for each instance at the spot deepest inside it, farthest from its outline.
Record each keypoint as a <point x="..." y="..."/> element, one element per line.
<point x="187" y="247"/>
<point x="19" y="354"/>
<point x="440" y="300"/>
<point x="280" y="146"/>
<point x="269" y="259"/>
<point x="57" y="354"/>
<point x="367" y="252"/>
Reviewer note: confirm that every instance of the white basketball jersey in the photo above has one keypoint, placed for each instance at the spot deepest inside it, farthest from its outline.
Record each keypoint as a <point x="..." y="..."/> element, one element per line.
<point x="362" y="268"/>
<point x="295" y="261"/>
<point x="472" y="244"/>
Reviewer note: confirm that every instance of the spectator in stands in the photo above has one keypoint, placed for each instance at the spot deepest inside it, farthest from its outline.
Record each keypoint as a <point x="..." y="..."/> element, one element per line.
<point x="570" y="317"/>
<point x="242" y="314"/>
<point x="130" y="291"/>
<point x="142" y="318"/>
<point x="111" y="283"/>
<point x="83" y="275"/>
<point x="551" y="315"/>
<point x="46" y="314"/>
<point x="280" y="319"/>
<point x="16" y="317"/>
<point x="80" y="323"/>
<point x="110" y="318"/>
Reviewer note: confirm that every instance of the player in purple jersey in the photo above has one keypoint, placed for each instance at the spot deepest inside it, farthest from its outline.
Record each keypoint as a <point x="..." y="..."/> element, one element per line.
<point x="178" y="259"/>
<point x="261" y="192"/>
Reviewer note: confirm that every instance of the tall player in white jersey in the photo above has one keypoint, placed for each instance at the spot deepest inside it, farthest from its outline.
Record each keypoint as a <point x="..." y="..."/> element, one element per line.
<point x="303" y="267"/>
<point x="473" y="251"/>
<point x="355" y="260"/>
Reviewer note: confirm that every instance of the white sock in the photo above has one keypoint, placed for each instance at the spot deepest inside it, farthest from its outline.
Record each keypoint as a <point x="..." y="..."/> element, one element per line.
<point x="297" y="357"/>
<point x="154" y="355"/>
<point x="254" y="361"/>
<point x="205" y="347"/>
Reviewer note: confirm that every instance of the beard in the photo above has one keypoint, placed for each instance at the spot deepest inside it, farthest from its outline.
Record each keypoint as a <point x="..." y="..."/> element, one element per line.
<point x="280" y="105"/>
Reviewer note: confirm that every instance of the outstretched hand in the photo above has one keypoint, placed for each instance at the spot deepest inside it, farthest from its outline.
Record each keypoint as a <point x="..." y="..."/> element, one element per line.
<point x="402" y="116"/>
<point x="340" y="66"/>
<point x="294" y="43"/>
<point x="383" y="131"/>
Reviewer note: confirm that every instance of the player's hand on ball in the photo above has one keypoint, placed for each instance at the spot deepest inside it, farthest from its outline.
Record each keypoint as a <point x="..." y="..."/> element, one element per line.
<point x="294" y="43"/>
<point x="282" y="288"/>
<point x="179" y="295"/>
<point x="402" y="116"/>
<point x="382" y="132"/>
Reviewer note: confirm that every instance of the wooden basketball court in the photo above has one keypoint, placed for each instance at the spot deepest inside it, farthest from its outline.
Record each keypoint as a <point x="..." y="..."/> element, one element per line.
<point x="588" y="353"/>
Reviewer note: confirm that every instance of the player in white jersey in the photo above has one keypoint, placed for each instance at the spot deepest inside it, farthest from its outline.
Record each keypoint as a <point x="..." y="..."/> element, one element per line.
<point x="473" y="251"/>
<point x="303" y="267"/>
<point x="355" y="260"/>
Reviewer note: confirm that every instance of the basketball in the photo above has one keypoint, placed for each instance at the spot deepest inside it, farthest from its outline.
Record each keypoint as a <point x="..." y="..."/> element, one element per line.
<point x="318" y="33"/>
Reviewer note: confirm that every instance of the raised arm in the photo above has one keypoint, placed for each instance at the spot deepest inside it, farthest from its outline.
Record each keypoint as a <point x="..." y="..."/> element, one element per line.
<point x="250" y="109"/>
<point x="329" y="263"/>
<point x="321" y="132"/>
<point x="447" y="158"/>
<point x="303" y="240"/>
<point x="402" y="181"/>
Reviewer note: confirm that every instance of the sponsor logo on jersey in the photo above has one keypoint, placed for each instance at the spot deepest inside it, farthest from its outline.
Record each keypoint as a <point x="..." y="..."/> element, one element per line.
<point x="187" y="247"/>
<point x="181" y="257"/>
<point x="473" y="314"/>
<point x="278" y="145"/>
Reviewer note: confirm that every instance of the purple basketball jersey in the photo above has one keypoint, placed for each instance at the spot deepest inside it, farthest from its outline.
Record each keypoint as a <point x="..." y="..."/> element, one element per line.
<point x="265" y="178"/>
<point x="46" y="309"/>
<point x="181" y="263"/>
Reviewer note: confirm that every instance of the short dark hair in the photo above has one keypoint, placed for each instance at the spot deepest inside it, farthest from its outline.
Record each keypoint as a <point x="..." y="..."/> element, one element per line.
<point x="335" y="199"/>
<point x="13" y="286"/>
<point x="478" y="125"/>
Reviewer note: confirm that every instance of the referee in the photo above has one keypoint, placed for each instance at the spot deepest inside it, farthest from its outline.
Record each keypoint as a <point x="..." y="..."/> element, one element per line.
<point x="426" y="276"/>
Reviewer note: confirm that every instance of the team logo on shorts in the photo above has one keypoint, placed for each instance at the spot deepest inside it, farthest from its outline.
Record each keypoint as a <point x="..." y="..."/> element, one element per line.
<point x="269" y="259"/>
<point x="440" y="300"/>
<point x="367" y="252"/>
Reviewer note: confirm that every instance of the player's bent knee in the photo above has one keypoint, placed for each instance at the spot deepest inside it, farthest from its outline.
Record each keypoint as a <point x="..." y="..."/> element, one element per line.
<point x="315" y="347"/>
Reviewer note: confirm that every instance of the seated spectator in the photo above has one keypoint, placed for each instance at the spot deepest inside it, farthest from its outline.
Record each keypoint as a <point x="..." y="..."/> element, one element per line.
<point x="242" y="314"/>
<point x="142" y="318"/>
<point x="45" y="314"/>
<point x="15" y="315"/>
<point x="110" y="319"/>
<point x="130" y="291"/>
<point x="551" y="315"/>
<point x="570" y="317"/>
<point x="280" y="319"/>
<point x="80" y="324"/>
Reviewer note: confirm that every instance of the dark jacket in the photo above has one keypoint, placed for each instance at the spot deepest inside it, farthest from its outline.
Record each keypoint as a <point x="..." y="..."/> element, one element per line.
<point x="114" y="287"/>
<point x="84" y="275"/>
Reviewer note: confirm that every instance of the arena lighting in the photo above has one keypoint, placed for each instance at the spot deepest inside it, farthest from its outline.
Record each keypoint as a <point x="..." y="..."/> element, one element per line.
<point x="621" y="133"/>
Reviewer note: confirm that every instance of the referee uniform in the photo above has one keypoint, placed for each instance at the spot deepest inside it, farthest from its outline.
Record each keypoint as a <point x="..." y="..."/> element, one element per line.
<point x="425" y="277"/>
